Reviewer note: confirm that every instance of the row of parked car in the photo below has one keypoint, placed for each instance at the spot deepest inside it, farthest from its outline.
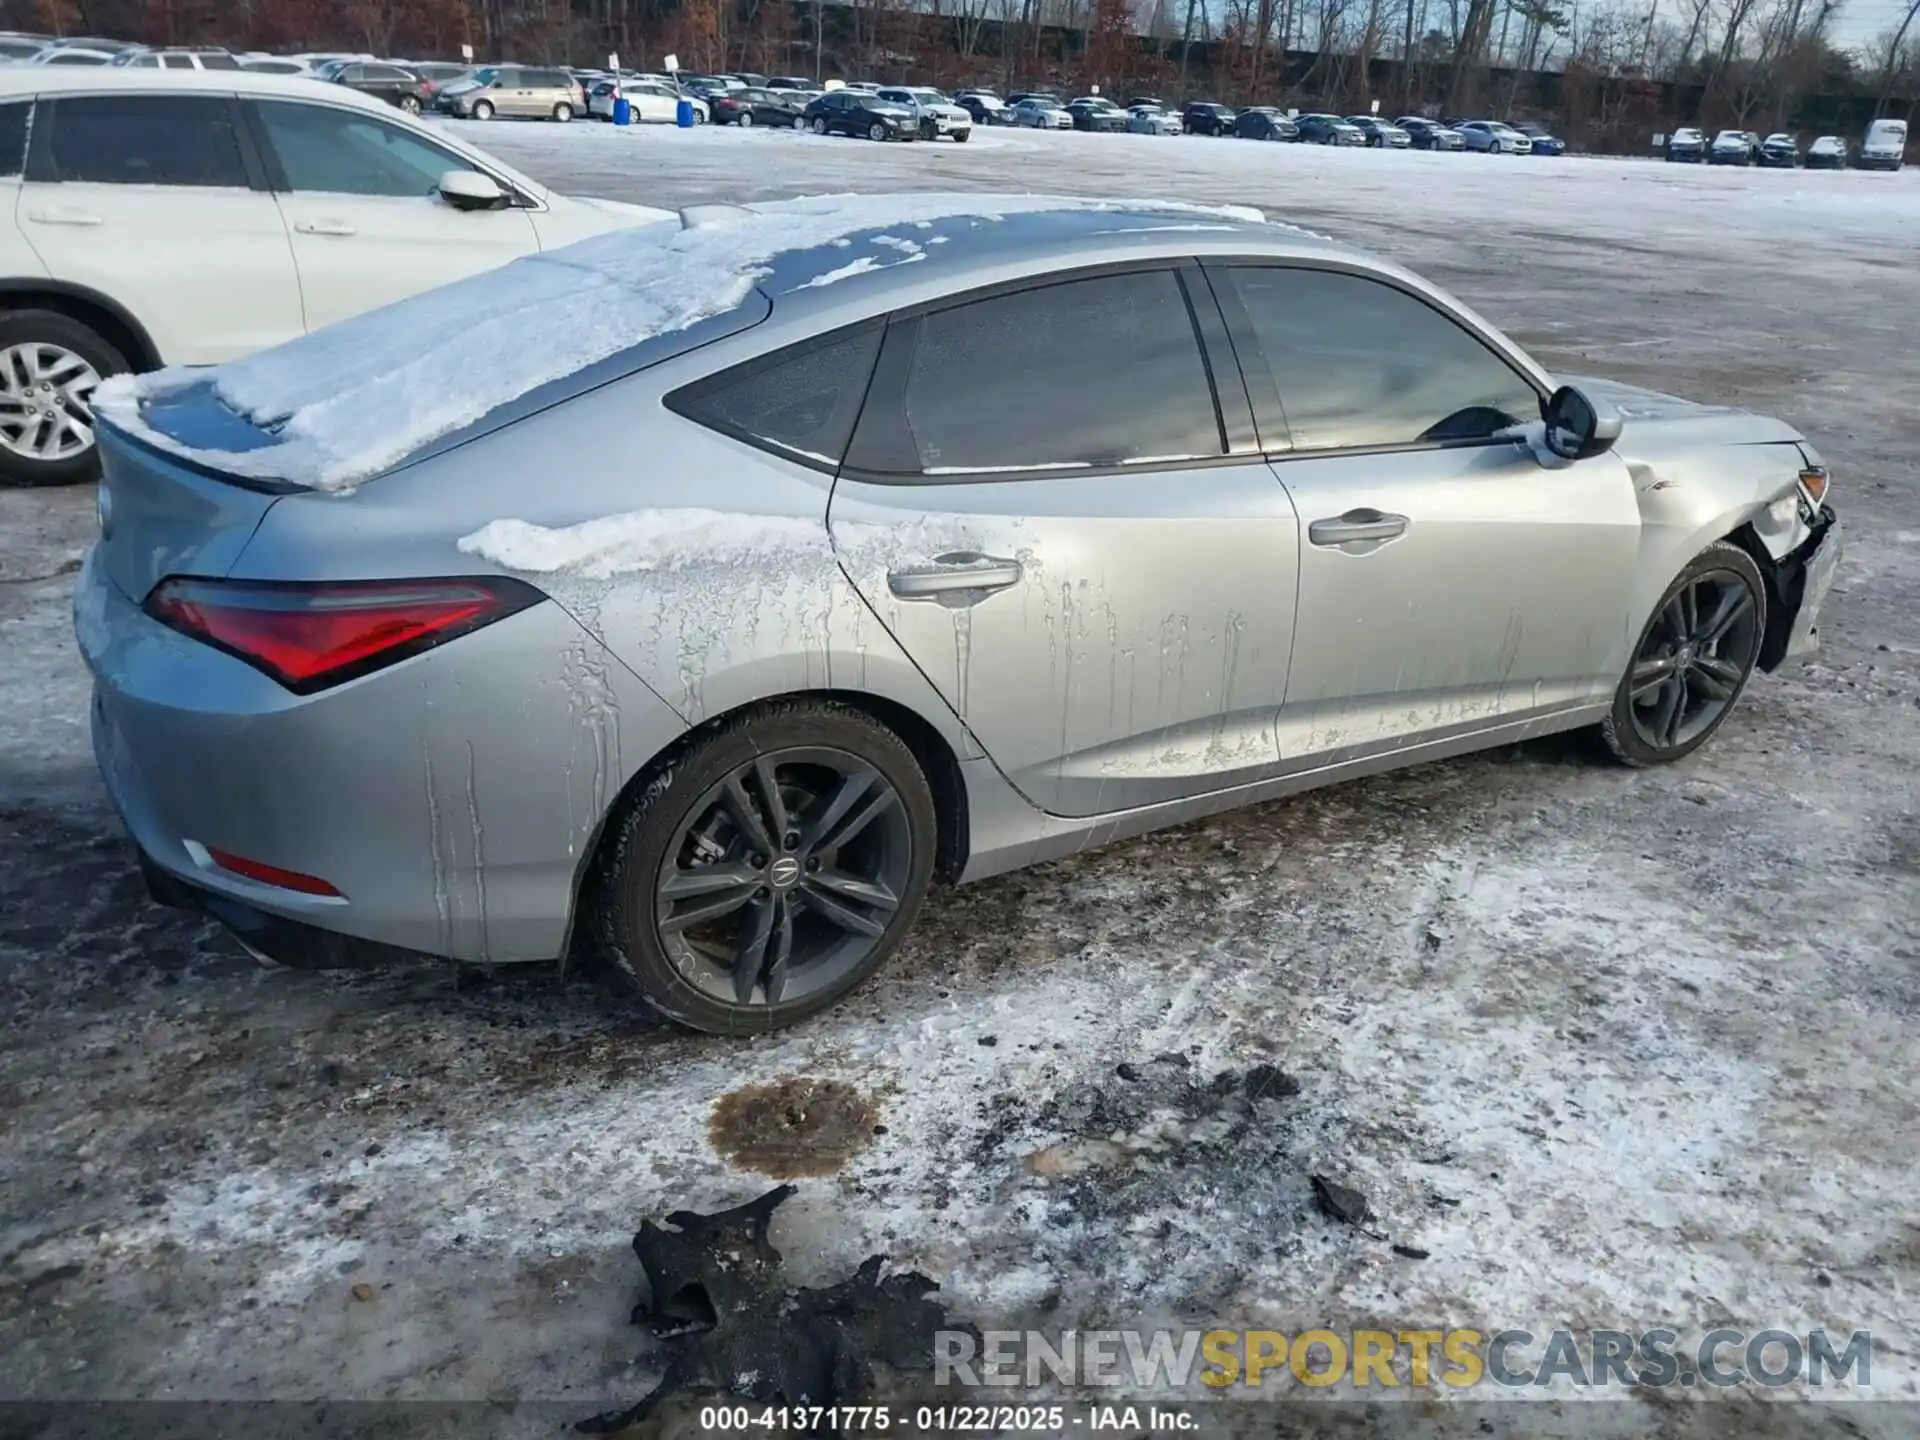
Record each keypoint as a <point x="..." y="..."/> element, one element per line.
<point x="1147" y="115"/>
<point x="1883" y="148"/>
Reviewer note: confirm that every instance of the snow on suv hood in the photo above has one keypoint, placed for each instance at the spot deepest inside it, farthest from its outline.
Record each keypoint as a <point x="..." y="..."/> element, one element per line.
<point x="338" y="406"/>
<point x="621" y="210"/>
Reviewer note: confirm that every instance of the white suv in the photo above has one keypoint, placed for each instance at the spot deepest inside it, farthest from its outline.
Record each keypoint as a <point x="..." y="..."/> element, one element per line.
<point x="154" y="218"/>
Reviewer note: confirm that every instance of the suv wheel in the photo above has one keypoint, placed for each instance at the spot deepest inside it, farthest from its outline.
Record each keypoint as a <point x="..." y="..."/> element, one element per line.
<point x="563" y="112"/>
<point x="876" y="131"/>
<point x="769" y="870"/>
<point x="49" y="366"/>
<point x="410" y="104"/>
<point x="483" y="109"/>
<point x="819" y="124"/>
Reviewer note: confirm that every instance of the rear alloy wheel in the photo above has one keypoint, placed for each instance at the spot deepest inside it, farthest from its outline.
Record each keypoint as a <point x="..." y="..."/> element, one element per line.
<point x="1693" y="661"/>
<point x="49" y="367"/>
<point x="876" y="131"/>
<point x="770" y="870"/>
<point x="410" y="104"/>
<point x="563" y="112"/>
<point x="746" y="119"/>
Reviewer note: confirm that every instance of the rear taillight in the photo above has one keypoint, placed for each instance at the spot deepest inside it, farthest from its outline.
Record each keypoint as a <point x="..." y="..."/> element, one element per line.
<point x="309" y="636"/>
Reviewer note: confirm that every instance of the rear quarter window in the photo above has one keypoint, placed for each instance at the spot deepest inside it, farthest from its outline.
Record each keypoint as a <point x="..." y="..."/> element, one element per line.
<point x="800" y="402"/>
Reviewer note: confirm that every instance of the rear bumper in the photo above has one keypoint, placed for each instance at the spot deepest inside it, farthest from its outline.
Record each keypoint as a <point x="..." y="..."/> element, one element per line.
<point x="451" y="800"/>
<point x="286" y="942"/>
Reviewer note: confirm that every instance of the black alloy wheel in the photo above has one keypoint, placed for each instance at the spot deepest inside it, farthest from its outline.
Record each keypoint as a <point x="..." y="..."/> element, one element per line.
<point x="770" y="870"/>
<point x="1693" y="661"/>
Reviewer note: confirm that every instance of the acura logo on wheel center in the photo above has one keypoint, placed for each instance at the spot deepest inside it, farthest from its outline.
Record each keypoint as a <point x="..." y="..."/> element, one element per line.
<point x="783" y="872"/>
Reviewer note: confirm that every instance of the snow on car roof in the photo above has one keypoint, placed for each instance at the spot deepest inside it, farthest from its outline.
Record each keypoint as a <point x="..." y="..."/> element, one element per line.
<point x="344" y="403"/>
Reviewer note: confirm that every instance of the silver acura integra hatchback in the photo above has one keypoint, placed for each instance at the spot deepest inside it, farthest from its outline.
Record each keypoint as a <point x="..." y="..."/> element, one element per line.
<point x="780" y="560"/>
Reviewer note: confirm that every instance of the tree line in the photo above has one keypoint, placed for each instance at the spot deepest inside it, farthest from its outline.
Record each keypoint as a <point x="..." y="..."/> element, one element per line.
<point x="1611" y="73"/>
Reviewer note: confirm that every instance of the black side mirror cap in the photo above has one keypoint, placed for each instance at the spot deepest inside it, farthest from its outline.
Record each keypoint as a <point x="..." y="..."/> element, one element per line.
<point x="1577" y="427"/>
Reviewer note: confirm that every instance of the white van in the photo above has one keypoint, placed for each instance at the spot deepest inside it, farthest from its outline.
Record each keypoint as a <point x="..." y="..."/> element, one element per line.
<point x="1884" y="147"/>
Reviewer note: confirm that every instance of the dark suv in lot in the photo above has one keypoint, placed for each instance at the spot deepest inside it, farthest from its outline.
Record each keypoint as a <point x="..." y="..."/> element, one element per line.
<point x="1204" y="117"/>
<point x="860" y="112"/>
<point x="386" y="82"/>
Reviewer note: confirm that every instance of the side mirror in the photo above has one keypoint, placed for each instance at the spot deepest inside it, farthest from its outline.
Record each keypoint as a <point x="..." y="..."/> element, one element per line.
<point x="1576" y="427"/>
<point x="470" y="190"/>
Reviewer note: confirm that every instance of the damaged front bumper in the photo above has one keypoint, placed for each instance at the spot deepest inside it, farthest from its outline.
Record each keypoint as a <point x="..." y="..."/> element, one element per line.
<point x="1800" y="584"/>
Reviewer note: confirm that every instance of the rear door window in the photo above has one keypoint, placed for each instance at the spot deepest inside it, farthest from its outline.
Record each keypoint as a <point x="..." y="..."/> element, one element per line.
<point x="144" y="140"/>
<point x="1102" y="372"/>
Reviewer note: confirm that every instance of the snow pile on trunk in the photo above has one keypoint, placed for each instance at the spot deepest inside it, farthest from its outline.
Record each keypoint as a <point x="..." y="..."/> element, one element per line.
<point x="347" y="401"/>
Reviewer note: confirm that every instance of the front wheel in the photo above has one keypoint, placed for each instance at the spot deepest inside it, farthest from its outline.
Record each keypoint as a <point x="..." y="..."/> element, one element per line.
<point x="819" y="126"/>
<point x="960" y="137"/>
<point x="876" y="131"/>
<point x="49" y="367"/>
<point x="482" y="110"/>
<point x="769" y="870"/>
<point x="1693" y="660"/>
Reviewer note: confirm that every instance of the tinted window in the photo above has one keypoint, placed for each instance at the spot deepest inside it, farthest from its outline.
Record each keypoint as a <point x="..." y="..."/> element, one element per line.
<point x="1358" y="363"/>
<point x="1099" y="372"/>
<point x="385" y="72"/>
<point x="177" y="62"/>
<point x="219" y="62"/>
<point x="548" y="80"/>
<point x="343" y="152"/>
<point x="69" y="58"/>
<point x="13" y="137"/>
<point x="801" y="401"/>
<point x="145" y="140"/>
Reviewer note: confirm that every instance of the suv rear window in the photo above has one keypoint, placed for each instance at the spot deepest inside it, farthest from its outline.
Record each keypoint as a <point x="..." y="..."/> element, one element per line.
<point x="13" y="137"/>
<point x="144" y="140"/>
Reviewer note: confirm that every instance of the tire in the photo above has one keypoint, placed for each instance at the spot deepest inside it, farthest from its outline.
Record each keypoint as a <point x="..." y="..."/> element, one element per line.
<point x="1652" y="723"/>
<point x="876" y="131"/>
<point x="562" y="112"/>
<point x="410" y="104"/>
<point x="960" y="137"/>
<point x="32" y="343"/>
<point x="819" y="125"/>
<point x="746" y="119"/>
<point x="681" y="829"/>
<point x="482" y="110"/>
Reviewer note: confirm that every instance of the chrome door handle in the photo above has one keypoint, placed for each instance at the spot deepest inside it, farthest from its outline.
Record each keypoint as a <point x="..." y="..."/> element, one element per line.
<point x="964" y="570"/>
<point x="325" y="227"/>
<point x="63" y="217"/>
<point x="1360" y="526"/>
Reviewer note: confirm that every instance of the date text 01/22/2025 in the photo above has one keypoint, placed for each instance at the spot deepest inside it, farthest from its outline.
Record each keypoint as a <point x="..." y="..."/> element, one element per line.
<point x="955" y="1419"/>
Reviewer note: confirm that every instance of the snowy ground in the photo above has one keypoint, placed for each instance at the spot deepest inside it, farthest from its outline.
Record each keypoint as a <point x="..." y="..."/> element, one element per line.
<point x="1618" y="1049"/>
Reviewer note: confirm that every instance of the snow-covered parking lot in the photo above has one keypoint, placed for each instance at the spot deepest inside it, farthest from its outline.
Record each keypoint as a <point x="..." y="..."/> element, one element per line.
<point x="1614" y="1049"/>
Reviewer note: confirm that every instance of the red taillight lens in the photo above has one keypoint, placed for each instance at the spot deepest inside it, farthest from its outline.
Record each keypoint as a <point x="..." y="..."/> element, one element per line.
<point x="265" y="874"/>
<point x="311" y="636"/>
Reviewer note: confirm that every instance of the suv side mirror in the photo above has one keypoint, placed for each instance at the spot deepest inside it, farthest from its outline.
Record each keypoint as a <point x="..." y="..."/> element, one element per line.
<point x="1577" y="427"/>
<point x="470" y="190"/>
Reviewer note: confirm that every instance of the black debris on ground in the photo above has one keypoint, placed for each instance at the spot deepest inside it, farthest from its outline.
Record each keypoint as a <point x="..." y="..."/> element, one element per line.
<point x="735" y="1329"/>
